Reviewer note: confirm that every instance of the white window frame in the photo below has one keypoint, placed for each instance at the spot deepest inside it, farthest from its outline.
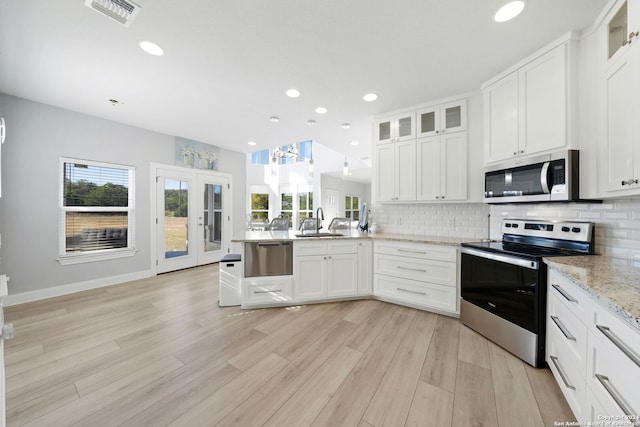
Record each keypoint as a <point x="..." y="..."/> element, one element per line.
<point x="65" y="258"/>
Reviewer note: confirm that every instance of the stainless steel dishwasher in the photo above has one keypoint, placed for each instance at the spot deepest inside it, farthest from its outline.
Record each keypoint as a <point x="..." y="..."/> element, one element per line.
<point x="268" y="259"/>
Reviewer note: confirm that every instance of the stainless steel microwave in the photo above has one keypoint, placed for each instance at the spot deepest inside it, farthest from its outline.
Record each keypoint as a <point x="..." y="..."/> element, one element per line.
<point x="548" y="178"/>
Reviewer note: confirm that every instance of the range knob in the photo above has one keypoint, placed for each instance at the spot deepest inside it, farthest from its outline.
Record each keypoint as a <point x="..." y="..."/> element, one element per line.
<point x="566" y="229"/>
<point x="576" y="229"/>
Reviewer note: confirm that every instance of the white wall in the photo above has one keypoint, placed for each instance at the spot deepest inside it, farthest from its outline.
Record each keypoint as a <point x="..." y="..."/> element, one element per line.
<point x="37" y="135"/>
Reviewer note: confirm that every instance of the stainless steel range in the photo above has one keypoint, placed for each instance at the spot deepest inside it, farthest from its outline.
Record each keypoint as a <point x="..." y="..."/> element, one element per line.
<point x="504" y="284"/>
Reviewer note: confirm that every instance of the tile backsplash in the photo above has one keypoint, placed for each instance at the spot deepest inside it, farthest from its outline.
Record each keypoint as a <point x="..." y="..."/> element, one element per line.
<point x="617" y="221"/>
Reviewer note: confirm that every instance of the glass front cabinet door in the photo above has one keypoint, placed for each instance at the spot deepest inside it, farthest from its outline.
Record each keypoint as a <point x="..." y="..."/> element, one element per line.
<point x="445" y="118"/>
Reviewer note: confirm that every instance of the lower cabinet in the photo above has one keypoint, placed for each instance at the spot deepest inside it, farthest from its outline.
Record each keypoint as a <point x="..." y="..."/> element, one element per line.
<point x="365" y="267"/>
<point x="265" y="291"/>
<point x="418" y="275"/>
<point x="593" y="355"/>
<point x="325" y="269"/>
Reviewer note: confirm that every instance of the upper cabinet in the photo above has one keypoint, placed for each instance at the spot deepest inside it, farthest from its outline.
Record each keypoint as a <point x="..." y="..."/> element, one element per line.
<point x="445" y="118"/>
<point x="529" y="109"/>
<point x="622" y="89"/>
<point x="400" y="127"/>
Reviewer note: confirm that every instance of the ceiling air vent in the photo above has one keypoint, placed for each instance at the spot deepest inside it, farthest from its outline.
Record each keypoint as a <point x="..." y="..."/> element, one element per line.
<point x="121" y="11"/>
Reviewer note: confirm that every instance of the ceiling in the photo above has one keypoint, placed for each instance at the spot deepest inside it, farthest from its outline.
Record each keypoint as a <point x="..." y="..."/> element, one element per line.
<point x="227" y="64"/>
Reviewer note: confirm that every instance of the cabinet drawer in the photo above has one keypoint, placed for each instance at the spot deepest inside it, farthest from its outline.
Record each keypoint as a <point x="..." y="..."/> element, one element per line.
<point x="567" y="375"/>
<point x="427" y="295"/>
<point x="571" y="296"/>
<point x="443" y="273"/>
<point x="567" y="330"/>
<point x="310" y="248"/>
<point x="342" y="247"/>
<point x="600" y="414"/>
<point x="416" y="250"/>
<point x="272" y="290"/>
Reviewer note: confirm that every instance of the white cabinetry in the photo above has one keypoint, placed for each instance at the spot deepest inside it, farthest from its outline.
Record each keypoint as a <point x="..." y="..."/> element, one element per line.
<point x="266" y="291"/>
<point x="444" y="118"/>
<point x="529" y="110"/>
<point x="365" y="267"/>
<point x="400" y="127"/>
<point x="325" y="269"/>
<point x="594" y="355"/>
<point x="442" y="170"/>
<point x="417" y="275"/>
<point x="395" y="169"/>
<point x="622" y="88"/>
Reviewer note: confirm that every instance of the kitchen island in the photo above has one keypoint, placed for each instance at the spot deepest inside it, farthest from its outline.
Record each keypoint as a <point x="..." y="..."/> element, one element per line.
<point x="412" y="270"/>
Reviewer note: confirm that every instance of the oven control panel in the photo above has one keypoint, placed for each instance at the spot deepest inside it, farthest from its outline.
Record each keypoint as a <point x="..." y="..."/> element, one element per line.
<point x="565" y="230"/>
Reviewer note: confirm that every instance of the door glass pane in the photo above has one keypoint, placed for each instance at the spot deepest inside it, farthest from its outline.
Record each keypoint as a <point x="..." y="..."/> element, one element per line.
<point x="453" y="117"/>
<point x="404" y="126"/>
<point x="176" y="224"/>
<point x="212" y="217"/>
<point x="384" y="130"/>
<point x="618" y="30"/>
<point x="428" y="122"/>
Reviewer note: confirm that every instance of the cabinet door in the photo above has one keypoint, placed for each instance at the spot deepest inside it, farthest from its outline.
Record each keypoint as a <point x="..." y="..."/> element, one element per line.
<point x="623" y="130"/>
<point x="365" y="267"/>
<point x="405" y="127"/>
<point x="310" y="277"/>
<point x="384" y="130"/>
<point x="342" y="275"/>
<point x="385" y="171"/>
<point x="405" y="170"/>
<point x="501" y="119"/>
<point x="543" y="103"/>
<point x="428" y="121"/>
<point x="453" y="148"/>
<point x="428" y="168"/>
<point x="453" y="117"/>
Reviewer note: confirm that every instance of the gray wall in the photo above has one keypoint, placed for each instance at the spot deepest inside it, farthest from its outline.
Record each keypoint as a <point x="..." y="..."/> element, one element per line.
<point x="37" y="135"/>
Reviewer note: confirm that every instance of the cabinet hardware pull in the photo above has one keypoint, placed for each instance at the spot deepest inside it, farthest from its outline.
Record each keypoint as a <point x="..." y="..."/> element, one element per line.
<point x="606" y="383"/>
<point x="412" y="251"/>
<point x="412" y="292"/>
<point x="619" y="343"/>
<point x="399" y="267"/>
<point x="564" y="293"/>
<point x="267" y="292"/>
<point x="561" y="372"/>
<point x="564" y="331"/>
<point x="630" y="39"/>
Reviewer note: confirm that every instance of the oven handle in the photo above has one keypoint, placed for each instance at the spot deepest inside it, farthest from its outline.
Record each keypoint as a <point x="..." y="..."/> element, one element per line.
<point x="520" y="262"/>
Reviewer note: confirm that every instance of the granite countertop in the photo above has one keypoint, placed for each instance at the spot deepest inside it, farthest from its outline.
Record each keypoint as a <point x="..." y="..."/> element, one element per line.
<point x="290" y="235"/>
<point x="615" y="286"/>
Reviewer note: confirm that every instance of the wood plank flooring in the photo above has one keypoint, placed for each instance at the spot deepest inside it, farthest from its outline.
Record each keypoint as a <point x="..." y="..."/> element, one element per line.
<point x="160" y="351"/>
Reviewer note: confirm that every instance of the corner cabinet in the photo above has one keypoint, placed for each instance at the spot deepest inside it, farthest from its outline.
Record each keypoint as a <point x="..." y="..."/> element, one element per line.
<point x="530" y="110"/>
<point x="622" y="88"/>
<point x="417" y="275"/>
<point x="432" y="168"/>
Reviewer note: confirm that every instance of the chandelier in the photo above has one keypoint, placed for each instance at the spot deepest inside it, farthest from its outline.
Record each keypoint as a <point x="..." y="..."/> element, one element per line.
<point x="286" y="151"/>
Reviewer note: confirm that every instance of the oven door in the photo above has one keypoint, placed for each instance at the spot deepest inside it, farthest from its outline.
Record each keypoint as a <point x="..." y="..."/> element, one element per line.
<point x="508" y="286"/>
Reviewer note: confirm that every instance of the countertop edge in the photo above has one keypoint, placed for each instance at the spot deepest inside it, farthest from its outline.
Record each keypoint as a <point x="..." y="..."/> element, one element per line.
<point x="600" y="298"/>
<point x="256" y="237"/>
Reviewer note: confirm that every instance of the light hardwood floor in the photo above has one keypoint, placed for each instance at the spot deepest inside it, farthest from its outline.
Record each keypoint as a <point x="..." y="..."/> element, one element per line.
<point x="161" y="352"/>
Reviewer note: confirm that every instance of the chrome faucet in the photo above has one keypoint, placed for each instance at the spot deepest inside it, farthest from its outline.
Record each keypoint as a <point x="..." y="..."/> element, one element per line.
<point x="319" y="217"/>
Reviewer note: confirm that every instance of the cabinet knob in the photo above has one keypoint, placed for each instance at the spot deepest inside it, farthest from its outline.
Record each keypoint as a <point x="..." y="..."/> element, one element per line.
<point x="443" y="197"/>
<point x="521" y="151"/>
<point x="515" y="153"/>
<point x="437" y="197"/>
<point x="632" y="35"/>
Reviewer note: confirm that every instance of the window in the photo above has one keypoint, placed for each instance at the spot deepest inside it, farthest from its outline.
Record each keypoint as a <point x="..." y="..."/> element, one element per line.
<point x="96" y="211"/>
<point x="259" y="207"/>
<point x="351" y="208"/>
<point x="260" y="157"/>
<point x="286" y="206"/>
<point x="305" y="205"/>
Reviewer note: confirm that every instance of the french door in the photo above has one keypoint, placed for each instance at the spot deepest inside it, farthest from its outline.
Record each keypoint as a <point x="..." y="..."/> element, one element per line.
<point x="192" y="217"/>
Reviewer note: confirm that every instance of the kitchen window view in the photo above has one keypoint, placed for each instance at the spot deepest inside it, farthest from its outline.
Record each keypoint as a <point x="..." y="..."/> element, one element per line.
<point x="351" y="208"/>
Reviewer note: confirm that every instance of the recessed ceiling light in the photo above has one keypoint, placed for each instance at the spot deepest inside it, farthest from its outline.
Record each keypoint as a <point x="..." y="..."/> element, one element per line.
<point x="151" y="48"/>
<point x="311" y="122"/>
<point x="274" y="119"/>
<point x="293" y="93"/>
<point x="354" y="143"/>
<point x="321" y="110"/>
<point x="509" y="11"/>
<point x="346" y="126"/>
<point x="370" y="97"/>
<point x="252" y="143"/>
<point x="114" y="102"/>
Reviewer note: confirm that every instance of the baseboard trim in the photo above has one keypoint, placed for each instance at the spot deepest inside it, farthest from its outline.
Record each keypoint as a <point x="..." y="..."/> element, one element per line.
<point x="56" y="291"/>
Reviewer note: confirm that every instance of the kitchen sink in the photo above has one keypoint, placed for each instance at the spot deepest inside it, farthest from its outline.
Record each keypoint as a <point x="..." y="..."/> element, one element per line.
<point x="319" y="235"/>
